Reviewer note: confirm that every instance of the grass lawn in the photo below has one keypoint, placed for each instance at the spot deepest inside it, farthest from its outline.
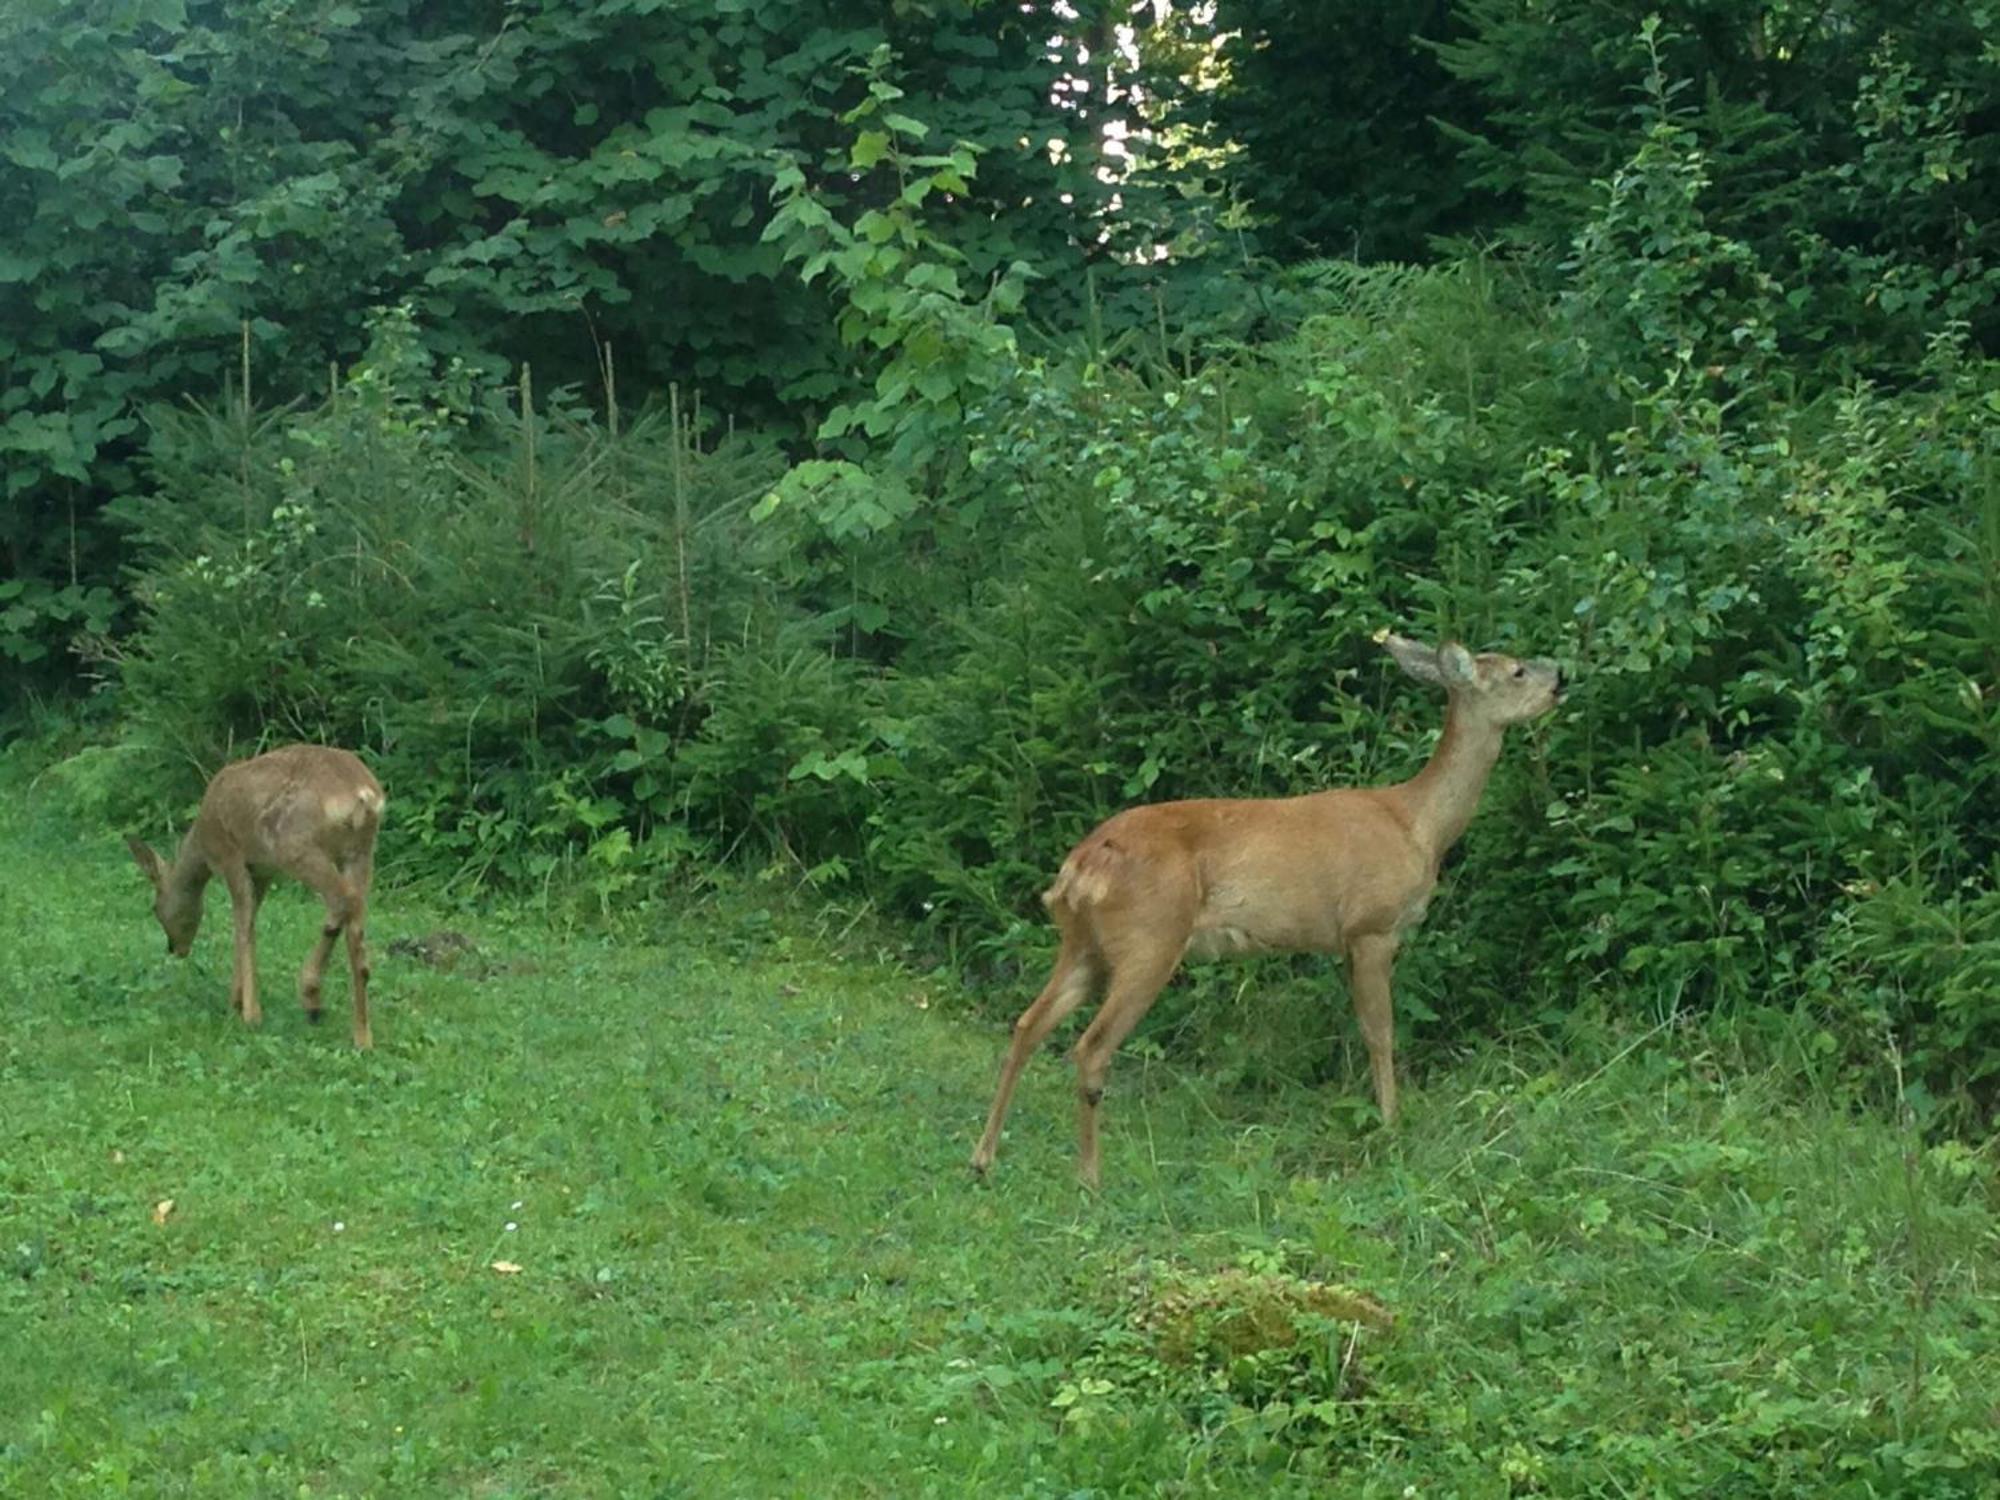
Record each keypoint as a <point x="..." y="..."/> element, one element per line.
<point x="729" y="1165"/>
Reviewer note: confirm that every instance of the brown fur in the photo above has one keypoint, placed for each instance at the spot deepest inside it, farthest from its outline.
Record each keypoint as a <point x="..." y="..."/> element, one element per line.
<point x="1346" y="871"/>
<point x="307" y="811"/>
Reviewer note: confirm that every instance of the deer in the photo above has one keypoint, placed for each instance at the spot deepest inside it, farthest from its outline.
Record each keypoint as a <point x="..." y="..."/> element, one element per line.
<point x="1346" y="871"/>
<point x="307" y="811"/>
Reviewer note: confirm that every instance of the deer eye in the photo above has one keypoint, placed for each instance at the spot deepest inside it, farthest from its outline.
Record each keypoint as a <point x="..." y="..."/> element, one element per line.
<point x="1520" y="671"/>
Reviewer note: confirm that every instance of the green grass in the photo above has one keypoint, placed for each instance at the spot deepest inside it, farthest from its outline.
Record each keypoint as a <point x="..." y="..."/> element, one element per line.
<point x="753" y="1263"/>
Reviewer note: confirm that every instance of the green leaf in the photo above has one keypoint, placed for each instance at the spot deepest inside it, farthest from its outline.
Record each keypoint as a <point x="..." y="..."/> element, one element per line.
<point x="29" y="147"/>
<point x="869" y="147"/>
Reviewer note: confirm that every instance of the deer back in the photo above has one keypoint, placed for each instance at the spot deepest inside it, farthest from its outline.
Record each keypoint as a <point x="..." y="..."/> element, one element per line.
<point x="1248" y="875"/>
<point x="269" y="810"/>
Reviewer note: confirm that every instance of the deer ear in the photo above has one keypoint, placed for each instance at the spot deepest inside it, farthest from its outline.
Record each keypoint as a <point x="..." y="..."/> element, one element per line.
<point x="1455" y="665"/>
<point x="1414" y="657"/>
<point x="147" y="860"/>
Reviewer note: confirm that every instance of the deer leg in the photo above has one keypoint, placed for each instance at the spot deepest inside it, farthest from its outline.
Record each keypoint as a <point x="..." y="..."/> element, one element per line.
<point x="357" y="954"/>
<point x="1068" y="986"/>
<point x="1369" y="963"/>
<point x="1135" y="984"/>
<point x="243" y="913"/>
<point x="334" y="888"/>
<point x="314" y="967"/>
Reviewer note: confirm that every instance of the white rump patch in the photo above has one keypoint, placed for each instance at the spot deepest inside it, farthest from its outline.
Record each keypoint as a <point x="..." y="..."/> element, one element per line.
<point x="351" y="808"/>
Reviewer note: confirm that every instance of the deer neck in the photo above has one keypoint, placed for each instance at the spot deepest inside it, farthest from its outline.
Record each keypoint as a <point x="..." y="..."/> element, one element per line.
<point x="1442" y="797"/>
<point x="187" y="877"/>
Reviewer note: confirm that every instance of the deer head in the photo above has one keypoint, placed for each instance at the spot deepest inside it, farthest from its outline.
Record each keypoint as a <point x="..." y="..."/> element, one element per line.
<point x="1489" y="688"/>
<point x="177" y="904"/>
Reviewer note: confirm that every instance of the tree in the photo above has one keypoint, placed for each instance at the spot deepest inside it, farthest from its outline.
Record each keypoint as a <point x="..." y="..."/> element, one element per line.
<point x="196" y="192"/>
<point x="1849" y="145"/>
<point x="1335" y="107"/>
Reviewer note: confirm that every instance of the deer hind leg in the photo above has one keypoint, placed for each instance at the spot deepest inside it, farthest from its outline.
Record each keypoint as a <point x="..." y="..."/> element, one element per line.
<point x="1369" y="965"/>
<point x="1136" y="982"/>
<point x="1068" y="987"/>
<point x="244" y="894"/>
<point x="337" y="891"/>
<point x="357" y="950"/>
<point x="314" y="968"/>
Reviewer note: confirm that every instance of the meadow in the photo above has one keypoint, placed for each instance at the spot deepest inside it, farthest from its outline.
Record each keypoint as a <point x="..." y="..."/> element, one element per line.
<point x="756" y="483"/>
<point x="724" y="1146"/>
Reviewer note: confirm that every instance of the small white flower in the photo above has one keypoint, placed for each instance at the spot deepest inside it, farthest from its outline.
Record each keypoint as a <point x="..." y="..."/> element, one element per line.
<point x="339" y="1227"/>
<point x="512" y="1226"/>
<point x="515" y="1206"/>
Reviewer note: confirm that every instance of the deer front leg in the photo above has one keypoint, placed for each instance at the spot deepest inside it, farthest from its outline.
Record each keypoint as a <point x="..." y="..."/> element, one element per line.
<point x="1369" y="964"/>
<point x="243" y="913"/>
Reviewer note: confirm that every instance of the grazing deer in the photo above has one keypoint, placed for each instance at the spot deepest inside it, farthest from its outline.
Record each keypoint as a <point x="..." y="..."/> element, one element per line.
<point x="1346" y="871"/>
<point x="307" y="811"/>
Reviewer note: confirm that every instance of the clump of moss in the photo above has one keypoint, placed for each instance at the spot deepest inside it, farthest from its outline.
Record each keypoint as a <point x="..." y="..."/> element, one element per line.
<point x="1214" y="1319"/>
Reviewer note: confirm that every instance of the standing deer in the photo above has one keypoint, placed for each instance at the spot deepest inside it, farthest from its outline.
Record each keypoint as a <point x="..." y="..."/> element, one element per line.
<point x="1346" y="871"/>
<point x="308" y="811"/>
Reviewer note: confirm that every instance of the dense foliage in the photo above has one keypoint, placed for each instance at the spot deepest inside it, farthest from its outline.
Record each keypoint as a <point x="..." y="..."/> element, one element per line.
<point x="894" y="492"/>
<point x="195" y="191"/>
<point x="1852" y="147"/>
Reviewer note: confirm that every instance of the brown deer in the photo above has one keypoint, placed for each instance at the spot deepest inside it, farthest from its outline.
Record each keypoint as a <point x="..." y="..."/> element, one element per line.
<point x="308" y="811"/>
<point x="1347" y="871"/>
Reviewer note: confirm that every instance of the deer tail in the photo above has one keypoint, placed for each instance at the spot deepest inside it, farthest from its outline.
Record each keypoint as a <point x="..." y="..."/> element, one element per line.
<point x="1084" y="880"/>
<point x="356" y="810"/>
